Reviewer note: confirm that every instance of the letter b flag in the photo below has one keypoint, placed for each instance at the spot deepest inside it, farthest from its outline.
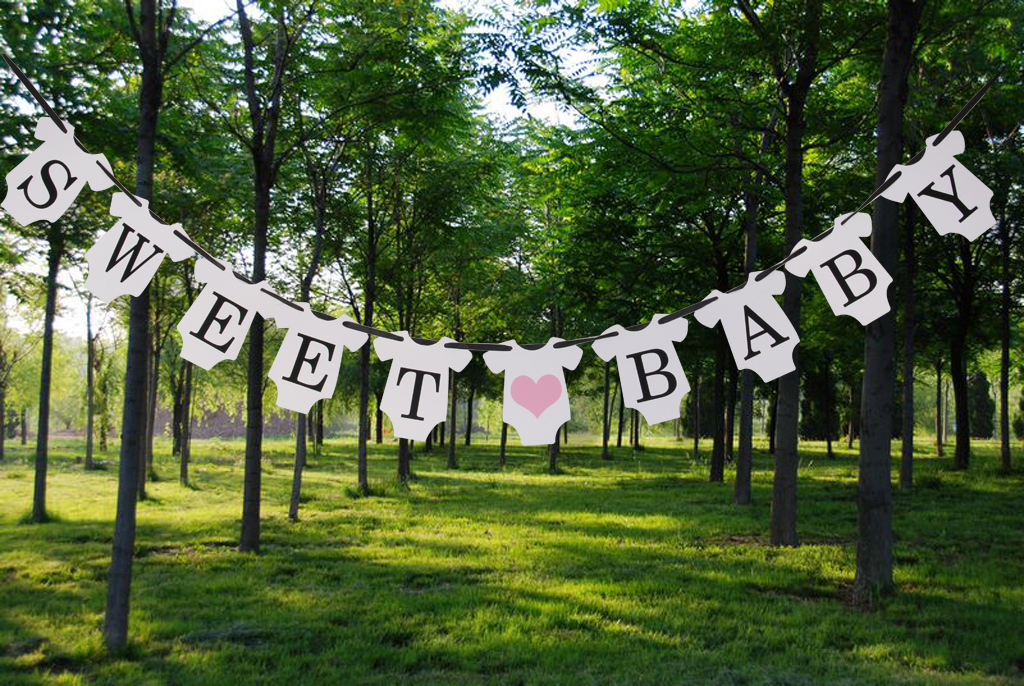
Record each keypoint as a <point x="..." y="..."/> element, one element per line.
<point x="652" y="379"/>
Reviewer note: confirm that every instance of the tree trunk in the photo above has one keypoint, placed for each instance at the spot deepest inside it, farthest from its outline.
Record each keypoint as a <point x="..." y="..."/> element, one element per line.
<point x="90" y="386"/>
<point x="773" y="418"/>
<point x="56" y="238"/>
<point x="133" y="417"/>
<point x="958" y="372"/>
<point x="177" y="381"/>
<point x="938" y="408"/>
<point x="300" y="461"/>
<point x="504" y="444"/>
<point x="622" y="413"/>
<point x="565" y="433"/>
<point x="24" y="426"/>
<point x="319" y="441"/>
<point x="3" y="418"/>
<point x="1004" y="360"/>
<point x="442" y="433"/>
<point x="874" y="487"/>
<point x="606" y="425"/>
<point x="730" y="411"/>
<point x="553" y="457"/>
<point x="154" y="366"/>
<point x="186" y="425"/>
<point x="379" y="421"/>
<point x="147" y="428"/>
<point x="910" y="271"/>
<point x="469" y="413"/>
<point x="717" y="474"/>
<point x="403" y="461"/>
<point x="696" y="420"/>
<point x="828" y="412"/>
<point x="637" y="443"/>
<point x="453" y="421"/>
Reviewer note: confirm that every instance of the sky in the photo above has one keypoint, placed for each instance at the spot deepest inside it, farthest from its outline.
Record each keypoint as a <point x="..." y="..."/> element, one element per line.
<point x="70" y="318"/>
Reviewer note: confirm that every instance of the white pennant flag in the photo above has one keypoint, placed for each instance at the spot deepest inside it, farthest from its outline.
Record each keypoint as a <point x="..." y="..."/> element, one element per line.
<point x="44" y="184"/>
<point x="652" y="379"/>
<point x="306" y="367"/>
<point x="125" y="258"/>
<point x="849" y="274"/>
<point x="215" y="326"/>
<point x="536" y="402"/>
<point x="760" y="335"/>
<point x="952" y="198"/>
<point x="416" y="394"/>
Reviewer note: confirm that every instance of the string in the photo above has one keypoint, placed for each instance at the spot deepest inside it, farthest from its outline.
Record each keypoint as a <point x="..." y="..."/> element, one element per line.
<point x="482" y="347"/>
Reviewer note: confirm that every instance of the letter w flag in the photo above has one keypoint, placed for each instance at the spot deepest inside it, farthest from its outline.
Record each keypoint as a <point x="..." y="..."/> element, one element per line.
<point x="125" y="259"/>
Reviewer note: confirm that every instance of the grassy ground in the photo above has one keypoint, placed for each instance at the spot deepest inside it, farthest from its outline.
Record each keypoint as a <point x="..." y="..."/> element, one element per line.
<point x="634" y="570"/>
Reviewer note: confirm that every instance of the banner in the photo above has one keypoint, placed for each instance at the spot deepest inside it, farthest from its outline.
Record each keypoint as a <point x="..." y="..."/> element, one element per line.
<point x="536" y="402"/>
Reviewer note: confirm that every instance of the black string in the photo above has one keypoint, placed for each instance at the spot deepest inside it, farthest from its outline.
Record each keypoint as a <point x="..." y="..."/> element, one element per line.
<point x="686" y="311"/>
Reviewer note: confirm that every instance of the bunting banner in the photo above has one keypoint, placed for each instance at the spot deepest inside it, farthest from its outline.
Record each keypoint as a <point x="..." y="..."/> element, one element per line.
<point x="125" y="259"/>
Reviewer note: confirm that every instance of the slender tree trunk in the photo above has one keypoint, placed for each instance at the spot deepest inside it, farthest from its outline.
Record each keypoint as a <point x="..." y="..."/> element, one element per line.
<point x="147" y="427"/>
<point x="249" y="541"/>
<point x="379" y="415"/>
<point x="442" y="432"/>
<point x="874" y="487"/>
<point x="938" y="408"/>
<point x="622" y="413"/>
<point x="909" y="315"/>
<point x="958" y="372"/>
<point x="828" y="413"/>
<point x="154" y="366"/>
<point x="300" y="460"/>
<point x="90" y="386"/>
<point x="3" y="418"/>
<point x="696" y="419"/>
<point x="469" y="412"/>
<point x="24" y="426"/>
<point x="565" y="433"/>
<point x="730" y="411"/>
<point x="504" y="444"/>
<point x="403" y="461"/>
<point x="453" y="421"/>
<point x="43" y="433"/>
<point x="717" y="474"/>
<point x="637" y="443"/>
<point x="1004" y="360"/>
<point x="553" y="457"/>
<point x="319" y="442"/>
<point x="606" y="424"/>
<point x="186" y="425"/>
<point x="853" y="410"/>
<point x="773" y="418"/>
<point x="133" y="418"/>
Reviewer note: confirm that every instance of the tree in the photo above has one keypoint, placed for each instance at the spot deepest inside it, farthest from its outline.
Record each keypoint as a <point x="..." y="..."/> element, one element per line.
<point x="874" y="490"/>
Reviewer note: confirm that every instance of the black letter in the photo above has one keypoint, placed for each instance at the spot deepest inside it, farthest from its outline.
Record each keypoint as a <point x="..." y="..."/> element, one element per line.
<point x="953" y="198"/>
<point x="642" y="375"/>
<point x="417" y="387"/>
<point x="303" y="349"/>
<point x="212" y="317"/>
<point x="132" y="253"/>
<point x="51" y="190"/>
<point x="843" y="279"/>
<point x="749" y="314"/>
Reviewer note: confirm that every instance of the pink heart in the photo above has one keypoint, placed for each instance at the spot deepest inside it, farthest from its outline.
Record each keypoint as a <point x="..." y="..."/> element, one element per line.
<point x="536" y="396"/>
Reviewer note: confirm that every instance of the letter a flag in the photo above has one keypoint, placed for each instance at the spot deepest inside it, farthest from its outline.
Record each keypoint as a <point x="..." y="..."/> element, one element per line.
<point x="416" y="394"/>
<point x="952" y="198"/>
<point x="760" y="335"/>
<point x="215" y="326"/>
<point x="849" y="274"/>
<point x="652" y="379"/>
<point x="125" y="259"/>
<point x="307" y="365"/>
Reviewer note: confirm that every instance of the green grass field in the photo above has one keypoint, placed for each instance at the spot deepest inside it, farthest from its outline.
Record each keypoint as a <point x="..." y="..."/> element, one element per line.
<point x="629" y="571"/>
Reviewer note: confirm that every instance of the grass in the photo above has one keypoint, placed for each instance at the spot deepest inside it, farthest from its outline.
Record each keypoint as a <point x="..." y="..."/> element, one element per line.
<point x="632" y="570"/>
